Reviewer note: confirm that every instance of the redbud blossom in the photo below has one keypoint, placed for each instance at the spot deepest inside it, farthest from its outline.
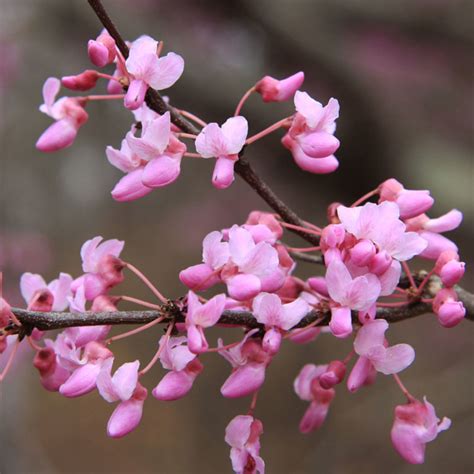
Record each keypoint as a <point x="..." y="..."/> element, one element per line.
<point x="225" y="144"/>
<point x="52" y="375"/>
<point x="102" y="50"/>
<point x="415" y="425"/>
<point x="449" y="310"/>
<point x="274" y="90"/>
<point x="243" y="436"/>
<point x="81" y="82"/>
<point x="148" y="70"/>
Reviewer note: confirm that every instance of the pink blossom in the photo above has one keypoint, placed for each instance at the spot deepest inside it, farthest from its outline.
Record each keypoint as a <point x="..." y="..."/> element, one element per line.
<point x="52" y="375"/>
<point x="274" y="90"/>
<point x="69" y="116"/>
<point x="102" y="50"/>
<point x="449" y="310"/>
<point x="200" y="316"/>
<point x="243" y="436"/>
<point x="307" y="386"/>
<point x="149" y="70"/>
<point x="225" y="144"/>
<point x="40" y="296"/>
<point x="81" y="82"/>
<point x="183" y="366"/>
<point x="410" y="202"/>
<point x="415" y="425"/>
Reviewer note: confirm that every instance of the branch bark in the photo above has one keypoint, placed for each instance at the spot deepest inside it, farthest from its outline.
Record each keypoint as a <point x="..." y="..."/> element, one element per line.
<point x="242" y="167"/>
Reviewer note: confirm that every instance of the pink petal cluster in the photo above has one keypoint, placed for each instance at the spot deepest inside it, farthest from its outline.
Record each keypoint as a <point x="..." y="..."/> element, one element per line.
<point x="224" y="143"/>
<point x="311" y="137"/>
<point x="150" y="161"/>
<point x="243" y="436"/>
<point x="375" y="355"/>
<point x="307" y="386"/>
<point x="148" y="70"/>
<point x="275" y="90"/>
<point x="69" y="115"/>
<point x="415" y="425"/>
<point x="102" y="50"/>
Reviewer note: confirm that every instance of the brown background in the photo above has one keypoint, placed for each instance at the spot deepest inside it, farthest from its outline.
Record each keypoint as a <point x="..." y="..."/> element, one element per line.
<point x="402" y="72"/>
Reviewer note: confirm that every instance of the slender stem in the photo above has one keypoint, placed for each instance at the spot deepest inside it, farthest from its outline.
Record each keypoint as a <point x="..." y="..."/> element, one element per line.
<point x="131" y="299"/>
<point x="243" y="100"/>
<point x="405" y="391"/>
<point x="304" y="229"/>
<point x="192" y="155"/>
<point x="146" y="281"/>
<point x="365" y="197"/>
<point x="303" y="249"/>
<point x="266" y="131"/>
<point x="104" y="97"/>
<point x="134" y="331"/>
<point x="192" y="117"/>
<point x="316" y="259"/>
<point x="409" y="275"/>
<point x="187" y="135"/>
<point x="158" y="352"/>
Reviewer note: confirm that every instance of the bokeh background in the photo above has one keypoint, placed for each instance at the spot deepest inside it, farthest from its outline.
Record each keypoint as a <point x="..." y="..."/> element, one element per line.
<point x="402" y="71"/>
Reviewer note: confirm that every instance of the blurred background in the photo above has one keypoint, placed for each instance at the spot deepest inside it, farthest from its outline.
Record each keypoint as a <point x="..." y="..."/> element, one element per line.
<point x="402" y="72"/>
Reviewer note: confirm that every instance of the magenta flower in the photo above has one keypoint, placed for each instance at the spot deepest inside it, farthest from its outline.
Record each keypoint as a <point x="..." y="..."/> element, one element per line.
<point x="102" y="50"/>
<point x="52" y="374"/>
<point x="274" y="90"/>
<point x="200" y="316"/>
<point x="225" y="144"/>
<point x="40" y="296"/>
<point x="307" y="386"/>
<point x="449" y="310"/>
<point x="349" y="293"/>
<point x="415" y="425"/>
<point x="69" y="116"/>
<point x="373" y="353"/>
<point x="243" y="436"/>
<point x="149" y="70"/>
<point x="183" y="366"/>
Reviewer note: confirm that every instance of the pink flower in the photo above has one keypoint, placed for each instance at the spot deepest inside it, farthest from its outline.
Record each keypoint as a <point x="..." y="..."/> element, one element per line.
<point x="411" y="202"/>
<point x="148" y="70"/>
<point x="249" y="361"/>
<point x="69" y="116"/>
<point x="184" y="368"/>
<point x="40" y="296"/>
<point x="449" y="268"/>
<point x="223" y="143"/>
<point x="268" y="310"/>
<point x="449" y="310"/>
<point x="274" y="90"/>
<point x="358" y="294"/>
<point x="415" y="425"/>
<point x="372" y="349"/>
<point x="52" y="374"/>
<point x="102" y="50"/>
<point x="307" y="386"/>
<point x="200" y="316"/>
<point x="243" y="436"/>
<point x="122" y="387"/>
<point x="81" y="82"/>
<point x="311" y="136"/>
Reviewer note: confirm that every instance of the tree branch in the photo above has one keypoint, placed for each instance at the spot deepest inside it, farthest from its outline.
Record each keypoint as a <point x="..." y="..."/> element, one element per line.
<point x="242" y="167"/>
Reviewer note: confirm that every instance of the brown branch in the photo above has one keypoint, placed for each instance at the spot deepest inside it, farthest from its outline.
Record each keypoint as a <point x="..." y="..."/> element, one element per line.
<point x="242" y="167"/>
<point x="171" y="312"/>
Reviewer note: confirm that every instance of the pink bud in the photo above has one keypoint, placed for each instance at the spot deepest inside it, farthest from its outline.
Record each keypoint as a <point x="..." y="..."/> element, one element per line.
<point x="52" y="375"/>
<point x="135" y="94"/>
<point x="452" y="272"/>
<point x="341" y="322"/>
<point x="451" y="313"/>
<point x="81" y="82"/>
<point x="101" y="51"/>
<point x="444" y="258"/>
<point x="332" y="255"/>
<point x="274" y="90"/>
<point x="130" y="187"/>
<point x="390" y="189"/>
<point x="363" y="373"/>
<point x="197" y="342"/>
<point x="82" y="381"/>
<point x="319" y="285"/>
<point x="333" y="235"/>
<point x="380" y="263"/>
<point x="173" y="386"/>
<point x="334" y="374"/>
<point x="243" y="287"/>
<point x="319" y="144"/>
<point x="244" y="380"/>
<point x="199" y="277"/>
<point x="59" y="135"/>
<point x="413" y="203"/>
<point x="271" y="341"/>
<point x="362" y="253"/>
<point x="223" y="175"/>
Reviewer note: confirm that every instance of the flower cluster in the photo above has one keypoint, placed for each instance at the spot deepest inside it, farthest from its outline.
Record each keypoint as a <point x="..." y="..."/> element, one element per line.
<point x="364" y="250"/>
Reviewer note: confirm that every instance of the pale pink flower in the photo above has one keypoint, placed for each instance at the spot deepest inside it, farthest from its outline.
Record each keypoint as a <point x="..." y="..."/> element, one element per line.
<point x="149" y="70"/>
<point x="415" y="425"/>
<point x="279" y="90"/>
<point x="410" y="202"/>
<point x="69" y="116"/>
<point x="243" y="436"/>
<point x="225" y="144"/>
<point x="200" y="316"/>
<point x="40" y="296"/>
<point x="449" y="310"/>
<point x="308" y="388"/>
<point x="102" y="50"/>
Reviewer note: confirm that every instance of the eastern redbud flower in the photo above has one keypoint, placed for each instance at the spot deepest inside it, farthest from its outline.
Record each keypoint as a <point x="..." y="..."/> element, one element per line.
<point x="249" y="361"/>
<point x="430" y="229"/>
<point x="52" y="374"/>
<point x="183" y="366"/>
<point x="40" y="296"/>
<point x="81" y="82"/>
<point x="243" y="436"/>
<point x="225" y="144"/>
<point x="411" y="202"/>
<point x="358" y="293"/>
<point x="269" y="310"/>
<point x="415" y="425"/>
<point x="200" y="316"/>
<point x="449" y="268"/>
<point x="307" y="386"/>
<point x="311" y="136"/>
<point x="373" y="352"/>
<point x="102" y="50"/>
<point x="334" y="374"/>
<point x="69" y="114"/>
<point x="149" y="70"/>
<point x="449" y="310"/>
<point x="275" y="90"/>
<point x="264" y="227"/>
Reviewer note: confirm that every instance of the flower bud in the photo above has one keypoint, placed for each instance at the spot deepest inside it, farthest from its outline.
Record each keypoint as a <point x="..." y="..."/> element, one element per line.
<point x="334" y="374"/>
<point x="380" y="263"/>
<point x="452" y="272"/>
<point x="274" y="90"/>
<point x="271" y="341"/>
<point x="319" y="144"/>
<point x="81" y="82"/>
<point x="362" y="253"/>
